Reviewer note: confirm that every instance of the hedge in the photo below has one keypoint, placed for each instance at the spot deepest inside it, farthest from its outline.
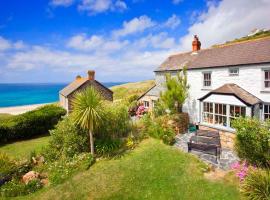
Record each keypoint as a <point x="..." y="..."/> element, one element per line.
<point x="30" y="124"/>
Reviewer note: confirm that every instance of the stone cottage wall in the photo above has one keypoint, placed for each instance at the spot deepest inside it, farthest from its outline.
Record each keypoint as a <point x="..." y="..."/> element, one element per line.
<point x="104" y="92"/>
<point x="227" y="139"/>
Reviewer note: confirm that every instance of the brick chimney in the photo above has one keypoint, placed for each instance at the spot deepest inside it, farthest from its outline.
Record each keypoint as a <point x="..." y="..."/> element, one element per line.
<point x="196" y="44"/>
<point x="91" y="75"/>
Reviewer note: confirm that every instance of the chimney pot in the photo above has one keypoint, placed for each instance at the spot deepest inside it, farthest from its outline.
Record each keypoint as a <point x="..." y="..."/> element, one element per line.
<point x="91" y="75"/>
<point x="196" y="44"/>
<point x="78" y="77"/>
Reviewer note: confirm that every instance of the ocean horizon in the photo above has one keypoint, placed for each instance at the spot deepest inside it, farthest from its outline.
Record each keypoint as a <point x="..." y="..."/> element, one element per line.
<point x="20" y="94"/>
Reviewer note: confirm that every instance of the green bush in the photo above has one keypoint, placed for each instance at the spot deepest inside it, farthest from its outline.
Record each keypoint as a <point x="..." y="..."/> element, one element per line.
<point x="62" y="169"/>
<point x="107" y="146"/>
<point x="30" y="124"/>
<point x="7" y="165"/>
<point x="15" y="188"/>
<point x="116" y="121"/>
<point x="155" y="128"/>
<point x="10" y="168"/>
<point x="67" y="140"/>
<point x="252" y="141"/>
<point x="256" y="185"/>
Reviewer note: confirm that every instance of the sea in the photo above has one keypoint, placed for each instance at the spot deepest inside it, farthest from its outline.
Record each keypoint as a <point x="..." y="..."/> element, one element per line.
<point x="19" y="94"/>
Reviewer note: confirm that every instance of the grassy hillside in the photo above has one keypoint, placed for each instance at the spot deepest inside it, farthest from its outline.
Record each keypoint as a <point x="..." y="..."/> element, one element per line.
<point x="125" y="90"/>
<point x="262" y="34"/>
<point x="5" y="116"/>
<point x="152" y="171"/>
<point x="22" y="149"/>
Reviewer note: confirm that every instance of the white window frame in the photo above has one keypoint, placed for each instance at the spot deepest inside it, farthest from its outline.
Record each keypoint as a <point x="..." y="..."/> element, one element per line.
<point x="208" y="112"/>
<point x="153" y="103"/>
<point x="146" y="104"/>
<point x="207" y="80"/>
<point x="214" y="114"/>
<point x="234" y="117"/>
<point x="222" y="115"/>
<point x="266" y="113"/>
<point x="234" y="71"/>
<point x="267" y="70"/>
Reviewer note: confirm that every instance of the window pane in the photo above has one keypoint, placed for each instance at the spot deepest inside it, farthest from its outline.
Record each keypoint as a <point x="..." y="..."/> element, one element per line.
<point x="231" y="110"/>
<point x="267" y="84"/>
<point x="211" y="107"/>
<point x="207" y="79"/>
<point x="266" y="110"/>
<point x="243" y="111"/>
<point x="267" y="75"/>
<point x="224" y="109"/>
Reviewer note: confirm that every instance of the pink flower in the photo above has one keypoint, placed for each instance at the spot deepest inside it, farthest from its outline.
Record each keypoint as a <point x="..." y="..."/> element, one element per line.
<point x="235" y="165"/>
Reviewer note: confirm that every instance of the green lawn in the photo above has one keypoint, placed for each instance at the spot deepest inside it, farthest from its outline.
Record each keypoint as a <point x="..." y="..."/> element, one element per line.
<point x="152" y="171"/>
<point x="22" y="149"/>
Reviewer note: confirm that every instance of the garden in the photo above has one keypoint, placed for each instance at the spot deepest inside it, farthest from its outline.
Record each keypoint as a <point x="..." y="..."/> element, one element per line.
<point x="98" y="152"/>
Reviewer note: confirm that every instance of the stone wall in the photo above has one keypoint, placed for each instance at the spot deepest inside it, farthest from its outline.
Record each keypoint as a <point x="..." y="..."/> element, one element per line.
<point x="226" y="138"/>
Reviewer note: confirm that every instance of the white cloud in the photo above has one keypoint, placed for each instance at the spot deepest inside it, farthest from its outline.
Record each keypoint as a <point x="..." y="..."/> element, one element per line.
<point x="135" y="60"/>
<point x="173" y="22"/>
<point x="64" y="3"/>
<point x="19" y="45"/>
<point x="121" y="5"/>
<point x="158" y="41"/>
<point x="227" y="20"/>
<point x="176" y="1"/>
<point x="99" y="6"/>
<point x="4" y="44"/>
<point x="83" y="43"/>
<point x="136" y="25"/>
<point x="95" y="43"/>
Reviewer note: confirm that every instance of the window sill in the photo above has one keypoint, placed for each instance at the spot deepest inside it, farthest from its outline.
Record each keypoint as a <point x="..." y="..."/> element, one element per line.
<point x="206" y="89"/>
<point x="265" y="91"/>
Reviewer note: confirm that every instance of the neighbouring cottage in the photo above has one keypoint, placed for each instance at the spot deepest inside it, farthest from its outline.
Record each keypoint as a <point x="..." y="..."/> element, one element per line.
<point x="225" y="82"/>
<point x="66" y="95"/>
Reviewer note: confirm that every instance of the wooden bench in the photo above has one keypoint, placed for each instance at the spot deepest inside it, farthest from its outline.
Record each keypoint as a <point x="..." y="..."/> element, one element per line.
<point x="207" y="142"/>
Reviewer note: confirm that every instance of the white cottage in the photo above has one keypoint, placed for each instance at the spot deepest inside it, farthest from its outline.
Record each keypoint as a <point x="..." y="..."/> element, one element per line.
<point x="225" y="82"/>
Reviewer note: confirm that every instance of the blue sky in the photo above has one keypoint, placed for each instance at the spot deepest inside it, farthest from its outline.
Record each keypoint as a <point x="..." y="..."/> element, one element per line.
<point x="123" y="40"/>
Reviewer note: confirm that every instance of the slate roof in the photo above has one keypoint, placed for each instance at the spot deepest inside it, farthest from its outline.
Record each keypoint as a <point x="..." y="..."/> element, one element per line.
<point x="153" y="91"/>
<point x="242" y="53"/>
<point x="235" y="90"/>
<point x="76" y="84"/>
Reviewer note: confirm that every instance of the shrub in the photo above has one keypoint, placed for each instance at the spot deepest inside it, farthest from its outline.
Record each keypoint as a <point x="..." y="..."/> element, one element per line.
<point x="30" y="124"/>
<point x="15" y="188"/>
<point x="7" y="168"/>
<point x="67" y="140"/>
<point x="156" y="129"/>
<point x="106" y="147"/>
<point x="115" y="123"/>
<point x="256" y="185"/>
<point x="62" y="169"/>
<point x="252" y="141"/>
<point x="176" y="91"/>
<point x="130" y="142"/>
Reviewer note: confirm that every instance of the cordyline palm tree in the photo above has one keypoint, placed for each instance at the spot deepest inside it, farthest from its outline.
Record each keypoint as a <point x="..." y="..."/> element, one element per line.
<point x="87" y="112"/>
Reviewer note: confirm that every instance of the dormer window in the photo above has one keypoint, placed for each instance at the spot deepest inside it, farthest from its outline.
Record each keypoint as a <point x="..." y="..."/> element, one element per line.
<point x="233" y="71"/>
<point x="207" y="79"/>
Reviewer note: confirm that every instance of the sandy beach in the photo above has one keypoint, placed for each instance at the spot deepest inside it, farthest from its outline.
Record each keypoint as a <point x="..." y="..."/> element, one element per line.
<point x="15" y="110"/>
